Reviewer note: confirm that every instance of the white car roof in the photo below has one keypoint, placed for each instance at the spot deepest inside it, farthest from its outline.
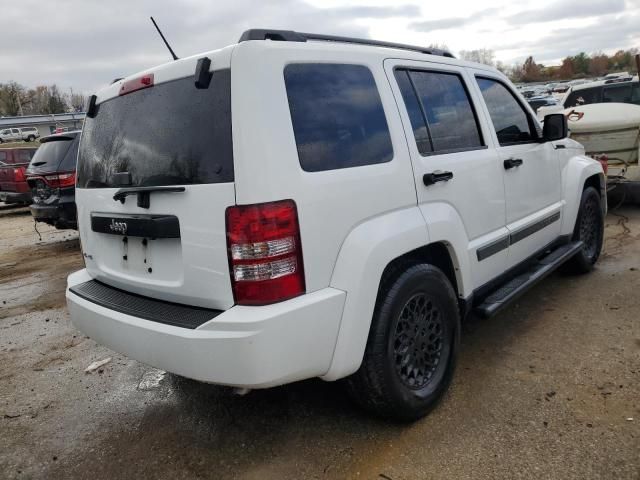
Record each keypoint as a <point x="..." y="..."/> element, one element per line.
<point x="221" y="58"/>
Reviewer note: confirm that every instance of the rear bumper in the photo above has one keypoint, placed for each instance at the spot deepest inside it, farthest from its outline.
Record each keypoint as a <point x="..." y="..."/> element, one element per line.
<point x="15" y="197"/>
<point x="253" y="347"/>
<point x="60" y="213"/>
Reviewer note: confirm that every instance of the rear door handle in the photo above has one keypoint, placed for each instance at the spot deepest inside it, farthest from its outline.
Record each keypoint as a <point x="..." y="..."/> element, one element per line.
<point x="437" y="176"/>
<point x="512" y="162"/>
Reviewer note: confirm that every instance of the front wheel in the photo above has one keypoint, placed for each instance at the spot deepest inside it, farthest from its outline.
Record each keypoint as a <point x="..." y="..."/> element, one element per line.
<point x="589" y="230"/>
<point x="412" y="346"/>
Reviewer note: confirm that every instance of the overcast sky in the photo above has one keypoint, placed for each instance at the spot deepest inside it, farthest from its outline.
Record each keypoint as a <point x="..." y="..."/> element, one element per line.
<point x="84" y="44"/>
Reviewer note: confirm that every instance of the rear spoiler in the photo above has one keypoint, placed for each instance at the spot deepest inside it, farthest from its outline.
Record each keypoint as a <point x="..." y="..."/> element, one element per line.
<point x="57" y="137"/>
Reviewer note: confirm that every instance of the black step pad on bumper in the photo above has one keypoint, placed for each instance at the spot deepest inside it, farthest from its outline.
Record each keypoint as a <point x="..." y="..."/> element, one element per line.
<point x="175" y="314"/>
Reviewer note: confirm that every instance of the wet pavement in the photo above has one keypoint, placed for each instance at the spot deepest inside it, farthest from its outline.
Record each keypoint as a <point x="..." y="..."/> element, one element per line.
<point x="550" y="388"/>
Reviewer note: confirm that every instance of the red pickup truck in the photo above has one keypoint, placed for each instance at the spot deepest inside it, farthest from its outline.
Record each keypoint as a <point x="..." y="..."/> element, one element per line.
<point x="13" y="182"/>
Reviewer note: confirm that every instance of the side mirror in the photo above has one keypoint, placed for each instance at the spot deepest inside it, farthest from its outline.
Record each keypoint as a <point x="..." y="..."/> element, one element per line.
<point x="555" y="127"/>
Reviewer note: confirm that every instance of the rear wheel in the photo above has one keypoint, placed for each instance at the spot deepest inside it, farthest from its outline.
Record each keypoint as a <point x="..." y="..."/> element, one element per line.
<point x="412" y="346"/>
<point x="589" y="230"/>
<point x="31" y="138"/>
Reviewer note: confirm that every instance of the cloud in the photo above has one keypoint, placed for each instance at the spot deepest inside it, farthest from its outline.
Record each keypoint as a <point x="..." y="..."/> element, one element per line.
<point x="87" y="44"/>
<point x="568" y="10"/>
<point x="606" y="34"/>
<point x="376" y="12"/>
<point x="452" y="22"/>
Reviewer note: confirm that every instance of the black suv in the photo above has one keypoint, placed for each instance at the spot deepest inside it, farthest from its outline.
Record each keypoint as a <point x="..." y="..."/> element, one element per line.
<point x="52" y="178"/>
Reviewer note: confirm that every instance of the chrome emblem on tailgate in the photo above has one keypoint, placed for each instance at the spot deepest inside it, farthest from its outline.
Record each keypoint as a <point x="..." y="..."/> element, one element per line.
<point x="120" y="227"/>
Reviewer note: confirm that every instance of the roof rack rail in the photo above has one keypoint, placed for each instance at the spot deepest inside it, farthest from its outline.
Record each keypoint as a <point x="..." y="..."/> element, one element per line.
<point x="291" y="36"/>
<point x="619" y="80"/>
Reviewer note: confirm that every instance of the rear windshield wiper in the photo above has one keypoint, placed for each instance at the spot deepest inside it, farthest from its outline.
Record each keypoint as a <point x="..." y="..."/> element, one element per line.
<point x="143" y="193"/>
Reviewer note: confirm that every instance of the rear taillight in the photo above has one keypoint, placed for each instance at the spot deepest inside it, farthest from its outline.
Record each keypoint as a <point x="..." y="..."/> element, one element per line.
<point x="61" y="180"/>
<point x="18" y="174"/>
<point x="265" y="255"/>
<point x="135" y="84"/>
<point x="604" y="161"/>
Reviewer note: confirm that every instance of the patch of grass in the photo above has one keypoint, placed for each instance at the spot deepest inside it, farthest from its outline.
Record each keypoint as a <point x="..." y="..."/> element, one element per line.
<point x="35" y="144"/>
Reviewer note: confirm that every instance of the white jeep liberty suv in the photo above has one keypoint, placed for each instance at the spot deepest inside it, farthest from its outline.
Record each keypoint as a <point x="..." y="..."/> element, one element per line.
<point x="300" y="205"/>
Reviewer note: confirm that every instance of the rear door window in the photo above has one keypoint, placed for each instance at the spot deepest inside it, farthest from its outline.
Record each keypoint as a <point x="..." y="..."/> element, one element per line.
<point x="446" y="112"/>
<point x="337" y="116"/>
<point x="3" y="157"/>
<point x="510" y="119"/>
<point x="169" y="134"/>
<point x="414" y="109"/>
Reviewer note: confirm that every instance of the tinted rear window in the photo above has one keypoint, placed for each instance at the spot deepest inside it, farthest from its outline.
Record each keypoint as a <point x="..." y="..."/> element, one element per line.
<point x="3" y="156"/>
<point x="49" y="156"/>
<point x="169" y="134"/>
<point x="337" y="116"/>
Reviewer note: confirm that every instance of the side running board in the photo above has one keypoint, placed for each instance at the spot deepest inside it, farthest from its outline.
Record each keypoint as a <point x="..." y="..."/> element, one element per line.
<point x="501" y="297"/>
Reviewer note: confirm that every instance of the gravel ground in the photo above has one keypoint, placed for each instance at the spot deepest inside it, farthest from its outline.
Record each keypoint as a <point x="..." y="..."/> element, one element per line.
<point x="548" y="389"/>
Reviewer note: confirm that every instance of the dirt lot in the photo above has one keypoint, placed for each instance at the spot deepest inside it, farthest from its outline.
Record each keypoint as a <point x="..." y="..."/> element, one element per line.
<point x="548" y="389"/>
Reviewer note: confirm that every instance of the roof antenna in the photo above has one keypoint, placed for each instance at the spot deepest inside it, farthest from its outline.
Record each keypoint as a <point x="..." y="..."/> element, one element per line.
<point x="175" y="57"/>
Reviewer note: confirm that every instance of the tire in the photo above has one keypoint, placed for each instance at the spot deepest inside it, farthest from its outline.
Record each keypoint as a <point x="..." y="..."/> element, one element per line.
<point x="590" y="230"/>
<point x="31" y="138"/>
<point x="416" y="323"/>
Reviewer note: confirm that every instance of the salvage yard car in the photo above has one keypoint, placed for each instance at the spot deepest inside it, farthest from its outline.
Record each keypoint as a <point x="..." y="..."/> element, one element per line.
<point x="10" y="135"/>
<point x="52" y="177"/>
<point x="13" y="182"/>
<point x="29" y="134"/>
<point x="335" y="208"/>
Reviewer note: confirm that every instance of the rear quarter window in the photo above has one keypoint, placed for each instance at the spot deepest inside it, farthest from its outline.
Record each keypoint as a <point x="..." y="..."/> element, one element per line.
<point x="68" y="163"/>
<point x="337" y="116"/>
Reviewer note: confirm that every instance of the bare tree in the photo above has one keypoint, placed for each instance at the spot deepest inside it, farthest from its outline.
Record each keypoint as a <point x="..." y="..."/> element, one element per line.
<point x="439" y="46"/>
<point x="11" y="99"/>
<point x="77" y="101"/>
<point x="481" y="55"/>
